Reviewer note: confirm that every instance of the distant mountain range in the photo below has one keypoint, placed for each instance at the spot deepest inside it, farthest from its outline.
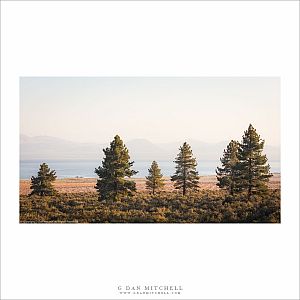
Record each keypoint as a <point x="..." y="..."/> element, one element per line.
<point x="51" y="148"/>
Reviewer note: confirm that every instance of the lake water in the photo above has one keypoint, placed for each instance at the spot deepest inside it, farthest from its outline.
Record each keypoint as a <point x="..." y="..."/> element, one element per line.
<point x="86" y="168"/>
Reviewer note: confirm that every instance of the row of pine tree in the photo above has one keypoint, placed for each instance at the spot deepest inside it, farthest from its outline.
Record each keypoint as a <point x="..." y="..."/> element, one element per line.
<point x="244" y="169"/>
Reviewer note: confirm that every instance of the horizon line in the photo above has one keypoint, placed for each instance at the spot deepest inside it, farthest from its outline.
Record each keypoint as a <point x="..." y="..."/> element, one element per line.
<point x="139" y="138"/>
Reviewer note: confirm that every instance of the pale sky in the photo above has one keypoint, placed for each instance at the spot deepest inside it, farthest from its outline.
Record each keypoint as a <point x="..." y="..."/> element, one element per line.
<point x="160" y="109"/>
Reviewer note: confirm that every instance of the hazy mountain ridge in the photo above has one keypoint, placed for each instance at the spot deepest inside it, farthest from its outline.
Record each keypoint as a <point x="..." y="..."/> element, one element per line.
<point x="52" y="148"/>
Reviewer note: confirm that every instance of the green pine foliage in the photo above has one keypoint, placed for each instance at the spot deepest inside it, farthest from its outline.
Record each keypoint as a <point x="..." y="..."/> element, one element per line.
<point x="228" y="173"/>
<point x="42" y="184"/>
<point x="154" y="181"/>
<point x="113" y="183"/>
<point x="185" y="177"/>
<point x="253" y="170"/>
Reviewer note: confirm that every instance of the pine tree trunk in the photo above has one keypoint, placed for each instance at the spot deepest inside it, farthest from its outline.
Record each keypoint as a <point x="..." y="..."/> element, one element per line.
<point x="249" y="192"/>
<point x="116" y="187"/>
<point x="184" y="181"/>
<point x="250" y="179"/>
<point x="231" y="185"/>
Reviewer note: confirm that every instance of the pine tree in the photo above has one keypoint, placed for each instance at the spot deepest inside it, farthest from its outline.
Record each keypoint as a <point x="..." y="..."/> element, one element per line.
<point x="116" y="167"/>
<point x="154" y="180"/>
<point x="185" y="177"/>
<point x="42" y="184"/>
<point x="227" y="174"/>
<point x="253" y="170"/>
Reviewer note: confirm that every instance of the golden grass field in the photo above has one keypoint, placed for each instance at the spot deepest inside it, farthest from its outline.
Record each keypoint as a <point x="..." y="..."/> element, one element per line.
<point x="86" y="185"/>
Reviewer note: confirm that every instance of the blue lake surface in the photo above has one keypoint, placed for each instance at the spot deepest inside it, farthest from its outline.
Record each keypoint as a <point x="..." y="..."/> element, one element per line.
<point x="86" y="168"/>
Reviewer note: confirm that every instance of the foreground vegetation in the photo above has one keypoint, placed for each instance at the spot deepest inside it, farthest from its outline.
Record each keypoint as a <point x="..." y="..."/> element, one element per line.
<point x="205" y="206"/>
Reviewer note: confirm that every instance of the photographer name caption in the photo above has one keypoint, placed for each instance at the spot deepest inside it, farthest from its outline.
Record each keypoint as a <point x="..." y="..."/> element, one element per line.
<point x="150" y="289"/>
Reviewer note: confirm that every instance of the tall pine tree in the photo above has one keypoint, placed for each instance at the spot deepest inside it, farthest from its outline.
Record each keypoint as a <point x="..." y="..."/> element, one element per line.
<point x="253" y="170"/>
<point x="113" y="175"/>
<point x="228" y="173"/>
<point x="185" y="177"/>
<point x="42" y="184"/>
<point x="154" y="180"/>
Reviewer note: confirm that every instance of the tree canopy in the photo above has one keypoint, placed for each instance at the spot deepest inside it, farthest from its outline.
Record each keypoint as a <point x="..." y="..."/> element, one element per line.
<point x="113" y="175"/>
<point x="185" y="177"/>
<point x="154" y="181"/>
<point x="227" y="174"/>
<point x="42" y="184"/>
<point x="253" y="170"/>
